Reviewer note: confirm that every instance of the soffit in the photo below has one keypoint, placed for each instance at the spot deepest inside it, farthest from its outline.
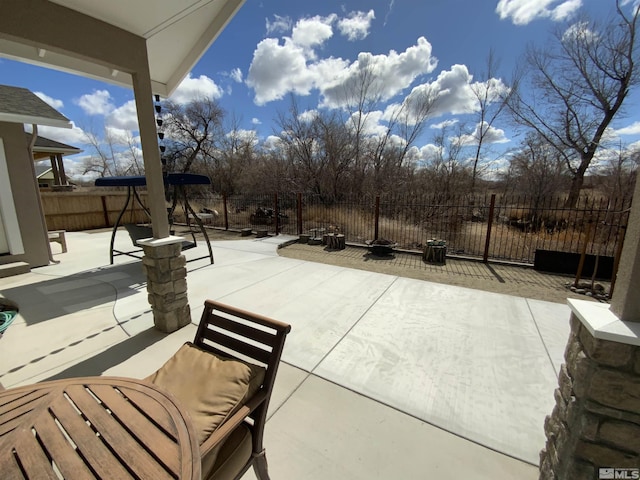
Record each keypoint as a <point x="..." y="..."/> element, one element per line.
<point x="178" y="32"/>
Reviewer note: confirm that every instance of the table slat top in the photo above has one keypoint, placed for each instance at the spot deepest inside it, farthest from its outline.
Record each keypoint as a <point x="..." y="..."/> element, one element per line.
<point x="87" y="427"/>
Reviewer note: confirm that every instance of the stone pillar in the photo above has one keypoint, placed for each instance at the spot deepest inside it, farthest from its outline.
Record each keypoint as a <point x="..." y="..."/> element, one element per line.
<point x="596" y="421"/>
<point x="166" y="272"/>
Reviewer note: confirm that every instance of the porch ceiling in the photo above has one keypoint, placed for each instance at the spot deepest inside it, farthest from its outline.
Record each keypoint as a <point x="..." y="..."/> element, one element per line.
<point x="177" y="34"/>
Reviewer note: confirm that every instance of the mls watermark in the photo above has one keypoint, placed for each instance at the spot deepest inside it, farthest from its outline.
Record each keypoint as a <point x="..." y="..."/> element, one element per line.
<point x="621" y="473"/>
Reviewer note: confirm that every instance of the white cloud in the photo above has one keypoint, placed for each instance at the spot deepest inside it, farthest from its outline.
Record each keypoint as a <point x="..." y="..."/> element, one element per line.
<point x="454" y="91"/>
<point x="308" y="115"/>
<point x="579" y="32"/>
<point x="310" y="32"/>
<point x="242" y="135"/>
<point x="52" y="102"/>
<point x="386" y="17"/>
<point x="124" y="117"/>
<point x="280" y="69"/>
<point x="121" y="135"/>
<point x="193" y="88"/>
<point x="430" y="152"/>
<point x="451" y="90"/>
<point x="278" y="25"/>
<point x="236" y="74"/>
<point x="356" y="26"/>
<point x="371" y="124"/>
<point x="491" y="135"/>
<point x="391" y="73"/>
<point x="290" y="65"/>
<point x="272" y="142"/>
<point x="445" y="124"/>
<point x="565" y="10"/>
<point x="633" y="129"/>
<point x="522" y="12"/>
<point x="256" y="121"/>
<point x="74" y="136"/>
<point x="96" y="103"/>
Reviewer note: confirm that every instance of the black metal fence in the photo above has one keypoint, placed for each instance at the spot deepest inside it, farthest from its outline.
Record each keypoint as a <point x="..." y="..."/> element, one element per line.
<point x="492" y="227"/>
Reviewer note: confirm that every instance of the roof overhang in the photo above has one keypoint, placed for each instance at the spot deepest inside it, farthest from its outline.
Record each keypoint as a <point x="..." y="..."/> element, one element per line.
<point x="31" y="119"/>
<point x="176" y="33"/>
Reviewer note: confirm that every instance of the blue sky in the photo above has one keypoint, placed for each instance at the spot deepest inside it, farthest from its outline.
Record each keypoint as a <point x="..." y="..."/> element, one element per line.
<point x="272" y="49"/>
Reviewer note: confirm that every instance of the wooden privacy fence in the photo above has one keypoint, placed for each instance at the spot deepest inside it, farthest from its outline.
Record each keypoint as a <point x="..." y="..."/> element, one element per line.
<point x="73" y="211"/>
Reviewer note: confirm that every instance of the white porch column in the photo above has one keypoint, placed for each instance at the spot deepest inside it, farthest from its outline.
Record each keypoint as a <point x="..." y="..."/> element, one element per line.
<point x="626" y="301"/>
<point x="163" y="263"/>
<point x="151" y="152"/>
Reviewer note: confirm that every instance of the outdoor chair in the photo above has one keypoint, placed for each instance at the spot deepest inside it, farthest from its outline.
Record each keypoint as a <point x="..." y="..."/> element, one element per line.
<point x="225" y="379"/>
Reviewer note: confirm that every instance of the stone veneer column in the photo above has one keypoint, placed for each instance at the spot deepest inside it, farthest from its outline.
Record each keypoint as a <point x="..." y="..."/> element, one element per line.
<point x="596" y="420"/>
<point x="165" y="268"/>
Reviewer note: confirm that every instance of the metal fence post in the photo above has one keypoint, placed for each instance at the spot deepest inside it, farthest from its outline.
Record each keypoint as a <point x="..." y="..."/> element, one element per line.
<point x="492" y="206"/>
<point x="299" y="212"/>
<point x="226" y="214"/>
<point x="277" y="212"/>
<point x="105" y="211"/>
<point x="376" y="219"/>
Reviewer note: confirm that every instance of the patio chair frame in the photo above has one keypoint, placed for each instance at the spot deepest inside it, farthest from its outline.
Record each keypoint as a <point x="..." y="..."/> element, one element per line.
<point x="249" y="337"/>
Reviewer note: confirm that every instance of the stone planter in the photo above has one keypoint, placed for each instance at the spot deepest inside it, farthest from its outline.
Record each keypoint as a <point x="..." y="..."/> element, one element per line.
<point x="381" y="247"/>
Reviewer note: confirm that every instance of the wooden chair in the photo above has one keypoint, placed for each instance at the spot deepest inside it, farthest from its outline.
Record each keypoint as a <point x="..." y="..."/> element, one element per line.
<point x="245" y="340"/>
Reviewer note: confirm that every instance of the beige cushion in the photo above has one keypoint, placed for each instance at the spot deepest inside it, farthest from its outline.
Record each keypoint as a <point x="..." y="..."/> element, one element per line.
<point x="211" y="387"/>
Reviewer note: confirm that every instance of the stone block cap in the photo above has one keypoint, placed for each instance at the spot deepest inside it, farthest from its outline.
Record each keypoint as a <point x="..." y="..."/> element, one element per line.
<point x="159" y="242"/>
<point x="603" y="324"/>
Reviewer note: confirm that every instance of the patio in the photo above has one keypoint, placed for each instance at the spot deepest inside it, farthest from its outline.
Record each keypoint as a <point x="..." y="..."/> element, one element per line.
<point x="394" y="380"/>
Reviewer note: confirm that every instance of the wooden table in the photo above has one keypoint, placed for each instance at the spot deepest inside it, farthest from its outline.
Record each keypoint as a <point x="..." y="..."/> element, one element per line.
<point x="95" y="427"/>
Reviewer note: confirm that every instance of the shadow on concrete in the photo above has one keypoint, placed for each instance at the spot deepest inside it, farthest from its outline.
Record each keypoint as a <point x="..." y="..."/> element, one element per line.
<point x="61" y="296"/>
<point x="112" y="356"/>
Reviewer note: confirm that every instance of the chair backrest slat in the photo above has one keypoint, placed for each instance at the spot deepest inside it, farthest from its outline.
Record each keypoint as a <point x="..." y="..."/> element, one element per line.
<point x="233" y="331"/>
<point x="266" y="338"/>
<point x="243" y="348"/>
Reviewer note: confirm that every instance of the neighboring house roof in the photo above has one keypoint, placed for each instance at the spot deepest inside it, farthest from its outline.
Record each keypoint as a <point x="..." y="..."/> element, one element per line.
<point x="45" y="147"/>
<point x="177" y="34"/>
<point x="42" y="170"/>
<point x="19" y="105"/>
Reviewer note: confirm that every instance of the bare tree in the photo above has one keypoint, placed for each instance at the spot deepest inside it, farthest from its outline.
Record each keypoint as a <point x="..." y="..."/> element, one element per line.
<point x="113" y="155"/>
<point x="388" y="150"/>
<point x="445" y="173"/>
<point x="537" y="169"/>
<point x="192" y="132"/>
<point x="235" y="151"/>
<point x="319" y="151"/>
<point x="618" y="173"/>
<point x="361" y="97"/>
<point x="492" y="96"/>
<point x="579" y="84"/>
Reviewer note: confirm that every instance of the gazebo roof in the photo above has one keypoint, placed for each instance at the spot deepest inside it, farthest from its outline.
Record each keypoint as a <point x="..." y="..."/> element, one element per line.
<point x="45" y="147"/>
<point x="19" y="105"/>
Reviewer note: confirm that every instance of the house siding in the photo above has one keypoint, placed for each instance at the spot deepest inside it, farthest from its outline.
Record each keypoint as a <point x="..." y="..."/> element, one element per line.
<point x="25" y="197"/>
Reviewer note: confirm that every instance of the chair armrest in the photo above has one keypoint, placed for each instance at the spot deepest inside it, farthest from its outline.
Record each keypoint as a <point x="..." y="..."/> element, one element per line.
<point x="221" y="434"/>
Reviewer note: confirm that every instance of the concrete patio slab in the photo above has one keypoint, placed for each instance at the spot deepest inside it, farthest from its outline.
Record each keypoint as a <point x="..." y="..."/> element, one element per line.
<point x="478" y="364"/>
<point x="469" y="362"/>
<point x="327" y="432"/>
<point x="323" y="302"/>
<point x="552" y="320"/>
